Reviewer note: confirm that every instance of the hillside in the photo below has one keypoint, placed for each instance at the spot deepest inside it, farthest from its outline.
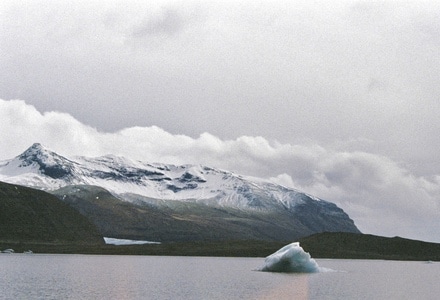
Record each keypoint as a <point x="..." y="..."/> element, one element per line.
<point x="29" y="215"/>
<point x="366" y="246"/>
<point x="177" y="221"/>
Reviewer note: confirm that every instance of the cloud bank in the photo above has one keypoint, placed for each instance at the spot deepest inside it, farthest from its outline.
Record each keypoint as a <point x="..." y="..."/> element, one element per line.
<point x="382" y="196"/>
<point x="285" y="70"/>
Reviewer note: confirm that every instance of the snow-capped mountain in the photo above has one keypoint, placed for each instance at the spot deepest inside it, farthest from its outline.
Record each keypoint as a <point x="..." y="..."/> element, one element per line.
<point x="140" y="182"/>
<point x="41" y="168"/>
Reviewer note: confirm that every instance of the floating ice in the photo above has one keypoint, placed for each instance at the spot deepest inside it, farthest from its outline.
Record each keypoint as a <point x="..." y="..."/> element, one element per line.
<point x="290" y="259"/>
<point x="118" y="242"/>
<point x="8" y="251"/>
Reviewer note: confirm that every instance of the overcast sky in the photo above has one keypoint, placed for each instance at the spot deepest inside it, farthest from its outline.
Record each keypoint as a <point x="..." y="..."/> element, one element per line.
<point x="339" y="99"/>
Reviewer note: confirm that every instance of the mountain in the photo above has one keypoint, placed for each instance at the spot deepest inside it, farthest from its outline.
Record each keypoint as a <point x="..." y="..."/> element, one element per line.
<point x="163" y="202"/>
<point x="29" y="215"/>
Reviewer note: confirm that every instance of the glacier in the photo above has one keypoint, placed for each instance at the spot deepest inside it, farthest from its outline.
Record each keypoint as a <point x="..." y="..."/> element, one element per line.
<point x="124" y="242"/>
<point x="290" y="259"/>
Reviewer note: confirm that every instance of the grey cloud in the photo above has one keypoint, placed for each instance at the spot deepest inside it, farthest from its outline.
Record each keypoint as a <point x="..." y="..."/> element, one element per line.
<point x="376" y="85"/>
<point x="169" y="23"/>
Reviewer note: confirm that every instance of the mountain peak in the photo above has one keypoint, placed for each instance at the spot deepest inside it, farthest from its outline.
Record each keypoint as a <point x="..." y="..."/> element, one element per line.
<point x="36" y="151"/>
<point x="36" y="147"/>
<point x="47" y="161"/>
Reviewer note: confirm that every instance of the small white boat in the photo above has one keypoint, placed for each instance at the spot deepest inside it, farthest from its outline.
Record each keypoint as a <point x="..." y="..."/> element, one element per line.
<point x="8" y="251"/>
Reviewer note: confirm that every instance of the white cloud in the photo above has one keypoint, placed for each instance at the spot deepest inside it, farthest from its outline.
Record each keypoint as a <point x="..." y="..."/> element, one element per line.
<point x="382" y="196"/>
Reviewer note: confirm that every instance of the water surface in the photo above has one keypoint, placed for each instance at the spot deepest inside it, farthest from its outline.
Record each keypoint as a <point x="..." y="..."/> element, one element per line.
<point x="161" y="277"/>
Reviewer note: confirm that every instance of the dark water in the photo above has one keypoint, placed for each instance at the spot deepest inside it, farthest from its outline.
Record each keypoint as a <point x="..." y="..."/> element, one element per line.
<point x="159" y="277"/>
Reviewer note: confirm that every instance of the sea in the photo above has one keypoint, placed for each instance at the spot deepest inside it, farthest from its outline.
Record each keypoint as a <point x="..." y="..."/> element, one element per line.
<point x="60" y="276"/>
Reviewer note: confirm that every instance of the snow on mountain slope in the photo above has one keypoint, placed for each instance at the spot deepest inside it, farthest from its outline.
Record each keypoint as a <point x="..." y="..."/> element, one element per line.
<point x="41" y="168"/>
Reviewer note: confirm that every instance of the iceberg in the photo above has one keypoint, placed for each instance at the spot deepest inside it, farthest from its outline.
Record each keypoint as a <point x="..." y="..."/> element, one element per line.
<point x="290" y="259"/>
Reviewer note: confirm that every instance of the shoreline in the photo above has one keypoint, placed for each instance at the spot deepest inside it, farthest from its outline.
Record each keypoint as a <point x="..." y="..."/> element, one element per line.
<point x="319" y="246"/>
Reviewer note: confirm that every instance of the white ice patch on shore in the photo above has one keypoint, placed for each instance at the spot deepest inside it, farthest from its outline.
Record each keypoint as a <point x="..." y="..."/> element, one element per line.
<point x="290" y="259"/>
<point x="119" y="242"/>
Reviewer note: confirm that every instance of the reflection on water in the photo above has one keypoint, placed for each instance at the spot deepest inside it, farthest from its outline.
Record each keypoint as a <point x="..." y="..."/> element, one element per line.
<point x="296" y="287"/>
<point x="155" y="277"/>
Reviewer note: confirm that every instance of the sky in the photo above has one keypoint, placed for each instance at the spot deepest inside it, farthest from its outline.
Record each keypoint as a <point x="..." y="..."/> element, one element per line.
<point x="339" y="99"/>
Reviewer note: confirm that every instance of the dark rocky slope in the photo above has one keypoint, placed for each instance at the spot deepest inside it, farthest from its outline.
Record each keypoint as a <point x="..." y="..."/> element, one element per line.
<point x="29" y="215"/>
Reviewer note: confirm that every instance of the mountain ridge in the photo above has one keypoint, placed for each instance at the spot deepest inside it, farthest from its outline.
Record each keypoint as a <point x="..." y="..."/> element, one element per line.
<point x="205" y="189"/>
